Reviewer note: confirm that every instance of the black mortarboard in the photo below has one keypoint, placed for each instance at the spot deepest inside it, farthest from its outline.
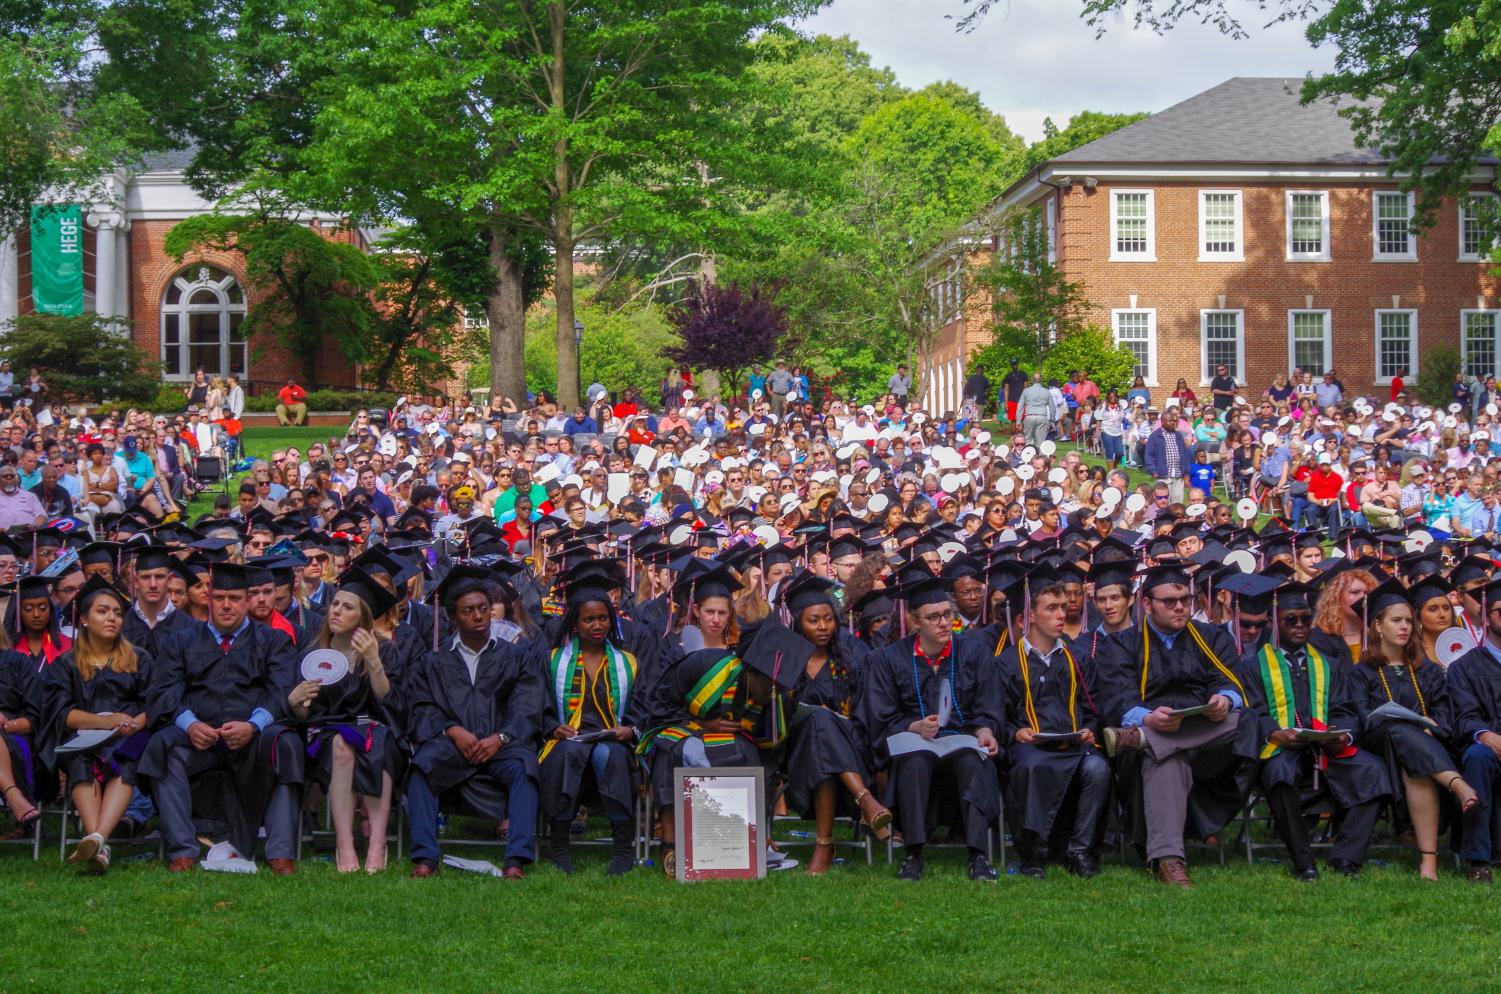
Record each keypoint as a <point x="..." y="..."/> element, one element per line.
<point x="1389" y="593"/>
<point x="1292" y="596"/>
<point x="1424" y="590"/>
<point x="1112" y="549"/>
<point x="928" y="590"/>
<point x="1111" y="572"/>
<point x="99" y="553"/>
<point x="379" y="560"/>
<point x="359" y="582"/>
<point x="151" y="557"/>
<point x="1252" y="585"/>
<point x="1470" y="569"/>
<point x="30" y="588"/>
<point x="806" y="590"/>
<point x="228" y="576"/>
<point x="779" y="653"/>
<point x="186" y="571"/>
<point x="876" y="603"/>
<point x="459" y="575"/>
<point x="706" y="581"/>
<point x="93" y="587"/>
<point x="1164" y="574"/>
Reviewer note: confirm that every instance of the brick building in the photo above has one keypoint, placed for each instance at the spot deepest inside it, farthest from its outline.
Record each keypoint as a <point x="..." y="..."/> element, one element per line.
<point x="187" y="314"/>
<point x="1242" y="227"/>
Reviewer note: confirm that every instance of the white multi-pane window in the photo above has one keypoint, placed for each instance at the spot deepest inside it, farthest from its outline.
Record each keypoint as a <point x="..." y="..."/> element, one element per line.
<point x="1391" y="230"/>
<point x="1223" y="343"/>
<point x="1308" y="341"/>
<point x="1396" y="344"/>
<point x="1220" y="226"/>
<point x="1137" y="331"/>
<point x="1308" y="225"/>
<point x="1477" y="341"/>
<point x="1477" y="226"/>
<point x="1132" y="236"/>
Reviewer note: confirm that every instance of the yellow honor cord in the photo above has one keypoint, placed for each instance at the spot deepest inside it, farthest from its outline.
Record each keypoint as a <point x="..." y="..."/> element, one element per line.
<point x="1073" y="688"/>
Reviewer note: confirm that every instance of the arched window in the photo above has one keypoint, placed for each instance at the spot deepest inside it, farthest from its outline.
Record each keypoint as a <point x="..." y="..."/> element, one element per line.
<point x="203" y="309"/>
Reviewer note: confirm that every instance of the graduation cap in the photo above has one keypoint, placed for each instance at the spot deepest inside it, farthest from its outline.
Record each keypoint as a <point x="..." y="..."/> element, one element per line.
<point x="1112" y="572"/>
<point x="1386" y="595"/>
<point x="1426" y="589"/>
<point x="362" y="584"/>
<point x="1164" y="574"/>
<point x="214" y="548"/>
<point x="847" y="545"/>
<point x="229" y="576"/>
<point x="705" y="582"/>
<point x="258" y="576"/>
<point x="461" y="578"/>
<point x="1112" y="549"/>
<point x="1292" y="596"/>
<point x="347" y="520"/>
<point x="100" y="553"/>
<point x="379" y="560"/>
<point x="149" y="557"/>
<point x="48" y="537"/>
<point x="1417" y="565"/>
<point x="281" y="568"/>
<point x="874" y="604"/>
<point x="807" y="590"/>
<point x="1251" y="588"/>
<point x="1185" y="529"/>
<point x="30" y="588"/>
<point x="188" y="571"/>
<point x="591" y="583"/>
<point x="93" y="587"/>
<point x="928" y="590"/>
<point x="778" y="653"/>
<point x="1469" y="569"/>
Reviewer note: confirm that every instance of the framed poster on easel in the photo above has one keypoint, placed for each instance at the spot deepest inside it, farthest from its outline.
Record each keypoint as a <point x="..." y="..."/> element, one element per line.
<point x="719" y="815"/>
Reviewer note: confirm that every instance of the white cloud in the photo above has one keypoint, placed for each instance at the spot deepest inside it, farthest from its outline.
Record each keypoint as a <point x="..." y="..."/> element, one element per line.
<point x="1032" y="59"/>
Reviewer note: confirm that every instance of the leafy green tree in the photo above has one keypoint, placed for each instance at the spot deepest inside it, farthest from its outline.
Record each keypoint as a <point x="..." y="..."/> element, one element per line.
<point x="306" y="286"/>
<point x="1083" y="128"/>
<point x="86" y="358"/>
<point x="1032" y="303"/>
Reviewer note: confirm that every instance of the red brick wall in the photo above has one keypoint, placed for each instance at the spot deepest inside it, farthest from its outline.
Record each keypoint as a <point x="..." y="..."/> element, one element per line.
<point x="1266" y="286"/>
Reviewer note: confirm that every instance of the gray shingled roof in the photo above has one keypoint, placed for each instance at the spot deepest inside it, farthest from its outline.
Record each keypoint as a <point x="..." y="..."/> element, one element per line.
<point x="1245" y="119"/>
<point x="172" y="161"/>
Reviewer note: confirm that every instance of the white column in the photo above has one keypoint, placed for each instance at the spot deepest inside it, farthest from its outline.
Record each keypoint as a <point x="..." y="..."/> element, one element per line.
<point x="10" y="280"/>
<point x="104" y="266"/>
<point x="122" y="270"/>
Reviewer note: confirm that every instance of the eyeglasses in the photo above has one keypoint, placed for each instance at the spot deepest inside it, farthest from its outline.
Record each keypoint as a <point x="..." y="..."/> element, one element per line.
<point x="1253" y="622"/>
<point x="1183" y="601"/>
<point x="936" y="617"/>
<point x="1296" y="618"/>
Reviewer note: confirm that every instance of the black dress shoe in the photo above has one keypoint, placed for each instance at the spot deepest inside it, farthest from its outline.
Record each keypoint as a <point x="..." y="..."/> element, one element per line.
<point x="980" y="869"/>
<point x="911" y="869"/>
<point x="1083" y="865"/>
<point x="1344" y="867"/>
<point x="1033" y="867"/>
<point x="1307" y="875"/>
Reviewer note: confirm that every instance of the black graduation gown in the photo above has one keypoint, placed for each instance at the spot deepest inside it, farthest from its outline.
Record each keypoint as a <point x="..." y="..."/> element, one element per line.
<point x="372" y="727"/>
<point x="193" y="673"/>
<point x="669" y="708"/>
<point x="1406" y="746"/>
<point x="890" y="703"/>
<point x="1039" y="776"/>
<point x="62" y="689"/>
<point x="19" y="699"/>
<point x="507" y="696"/>
<point x="823" y="743"/>
<point x="137" y="633"/>
<point x="422" y="617"/>
<point x="1177" y="677"/>
<point x="1356" y="777"/>
<point x="1474" y="681"/>
<point x="568" y="763"/>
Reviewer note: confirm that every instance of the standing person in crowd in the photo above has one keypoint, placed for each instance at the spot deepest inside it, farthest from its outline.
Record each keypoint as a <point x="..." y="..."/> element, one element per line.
<point x="1167" y="457"/>
<point x="779" y="383"/>
<point x="1037" y="410"/>
<point x="1012" y="385"/>
<point x="899" y="385"/>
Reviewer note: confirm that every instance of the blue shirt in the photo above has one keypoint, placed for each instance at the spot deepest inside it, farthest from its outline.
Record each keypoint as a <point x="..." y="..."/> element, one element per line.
<point x="1134" y="717"/>
<point x="260" y="717"/>
<point x="1202" y="475"/>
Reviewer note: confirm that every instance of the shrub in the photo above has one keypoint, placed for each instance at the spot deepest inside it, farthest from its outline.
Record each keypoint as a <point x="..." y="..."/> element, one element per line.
<point x="327" y="400"/>
<point x="82" y="358"/>
<point x="1435" y="385"/>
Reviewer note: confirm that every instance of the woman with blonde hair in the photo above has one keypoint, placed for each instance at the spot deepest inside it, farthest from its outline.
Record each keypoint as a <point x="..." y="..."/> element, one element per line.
<point x="353" y="723"/>
<point x="100" y="684"/>
<point x="1392" y="670"/>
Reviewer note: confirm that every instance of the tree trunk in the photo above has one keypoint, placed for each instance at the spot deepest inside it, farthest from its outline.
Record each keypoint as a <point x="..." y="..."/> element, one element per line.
<point x="387" y="365"/>
<point x="507" y="312"/>
<point x="569" y="387"/>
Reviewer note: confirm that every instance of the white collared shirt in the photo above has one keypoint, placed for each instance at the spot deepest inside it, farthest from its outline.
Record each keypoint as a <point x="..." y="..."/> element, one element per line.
<point x="470" y="657"/>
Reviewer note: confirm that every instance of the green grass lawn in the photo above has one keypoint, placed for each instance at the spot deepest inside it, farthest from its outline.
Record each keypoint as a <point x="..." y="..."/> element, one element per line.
<point x="857" y="929"/>
<point x="260" y="443"/>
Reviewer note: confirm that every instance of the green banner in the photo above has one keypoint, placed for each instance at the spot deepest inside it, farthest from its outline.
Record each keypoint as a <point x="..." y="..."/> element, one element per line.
<point x="57" y="260"/>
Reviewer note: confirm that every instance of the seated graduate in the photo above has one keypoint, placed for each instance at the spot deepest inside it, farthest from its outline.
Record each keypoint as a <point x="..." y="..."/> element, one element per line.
<point x="306" y="620"/>
<point x="1003" y="613"/>
<point x="1474" y="682"/>
<point x="1341" y="621"/>
<point x="934" y="686"/>
<point x="477" y="709"/>
<point x="219" y="686"/>
<point x="32" y="623"/>
<point x="1413" y="736"/>
<point x="596" y="702"/>
<point x="1166" y="663"/>
<point x="353" y="726"/>
<point x="826" y="748"/>
<point x="100" y="683"/>
<point x="709" y="708"/>
<point x="23" y="779"/>
<point x="152" y="615"/>
<point x="1049" y="691"/>
<point x="1291" y="685"/>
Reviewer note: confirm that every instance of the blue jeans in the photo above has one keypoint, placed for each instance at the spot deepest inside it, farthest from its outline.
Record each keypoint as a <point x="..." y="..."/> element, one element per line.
<point x="1113" y="446"/>
<point x="521" y="812"/>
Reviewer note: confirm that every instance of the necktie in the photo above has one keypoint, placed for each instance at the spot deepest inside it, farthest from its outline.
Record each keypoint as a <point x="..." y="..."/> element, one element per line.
<point x="225" y="642"/>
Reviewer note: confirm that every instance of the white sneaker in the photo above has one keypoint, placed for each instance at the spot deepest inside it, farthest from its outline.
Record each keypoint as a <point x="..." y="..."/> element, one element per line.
<point x="88" y="847"/>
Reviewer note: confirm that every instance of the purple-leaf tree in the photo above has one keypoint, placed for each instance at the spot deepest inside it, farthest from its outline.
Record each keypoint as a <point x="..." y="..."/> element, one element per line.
<point x="727" y="329"/>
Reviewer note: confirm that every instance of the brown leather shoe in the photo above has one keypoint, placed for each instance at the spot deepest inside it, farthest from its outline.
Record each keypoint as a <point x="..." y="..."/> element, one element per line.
<point x="423" y="870"/>
<point x="282" y="867"/>
<point x="1173" y="872"/>
<point x="181" y="864"/>
<point x="513" y="873"/>
<point x="1479" y="873"/>
<point x="1117" y="739"/>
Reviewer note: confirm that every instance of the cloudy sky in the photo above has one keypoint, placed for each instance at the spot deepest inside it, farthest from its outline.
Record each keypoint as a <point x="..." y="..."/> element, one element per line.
<point x="1034" y="58"/>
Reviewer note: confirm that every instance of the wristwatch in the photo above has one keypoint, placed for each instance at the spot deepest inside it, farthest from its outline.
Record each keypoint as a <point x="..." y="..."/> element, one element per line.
<point x="504" y="738"/>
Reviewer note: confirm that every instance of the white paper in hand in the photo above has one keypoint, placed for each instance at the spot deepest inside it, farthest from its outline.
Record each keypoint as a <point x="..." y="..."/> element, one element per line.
<point x="945" y="706"/>
<point x="645" y="456"/>
<point x="619" y="486"/>
<point x="684" y="478"/>
<point x="87" y="739"/>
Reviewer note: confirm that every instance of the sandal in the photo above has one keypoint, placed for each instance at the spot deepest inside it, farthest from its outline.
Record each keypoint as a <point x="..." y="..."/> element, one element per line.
<point x="818" y="867"/>
<point x="99" y="865"/>
<point x="23" y="820"/>
<point x="879" y="823"/>
<point x="1465" y="803"/>
<point x="88" y="848"/>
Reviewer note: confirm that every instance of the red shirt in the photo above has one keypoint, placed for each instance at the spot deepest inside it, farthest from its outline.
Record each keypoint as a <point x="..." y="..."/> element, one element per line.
<point x="1325" y="486"/>
<point x="291" y="394"/>
<point x="1396" y="386"/>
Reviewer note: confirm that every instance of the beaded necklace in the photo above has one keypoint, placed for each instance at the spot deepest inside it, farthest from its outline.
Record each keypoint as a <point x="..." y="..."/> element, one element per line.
<point x="1422" y="704"/>
<point x="948" y="650"/>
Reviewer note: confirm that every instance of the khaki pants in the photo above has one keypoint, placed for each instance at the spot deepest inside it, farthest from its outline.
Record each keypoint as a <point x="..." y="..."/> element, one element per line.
<point x="1167" y="778"/>
<point x="1175" y="492"/>
<point x="1381" y="516"/>
<point x="291" y="414"/>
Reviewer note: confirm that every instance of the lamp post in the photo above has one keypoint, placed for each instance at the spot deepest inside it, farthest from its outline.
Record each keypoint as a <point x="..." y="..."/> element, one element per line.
<point x="578" y="358"/>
